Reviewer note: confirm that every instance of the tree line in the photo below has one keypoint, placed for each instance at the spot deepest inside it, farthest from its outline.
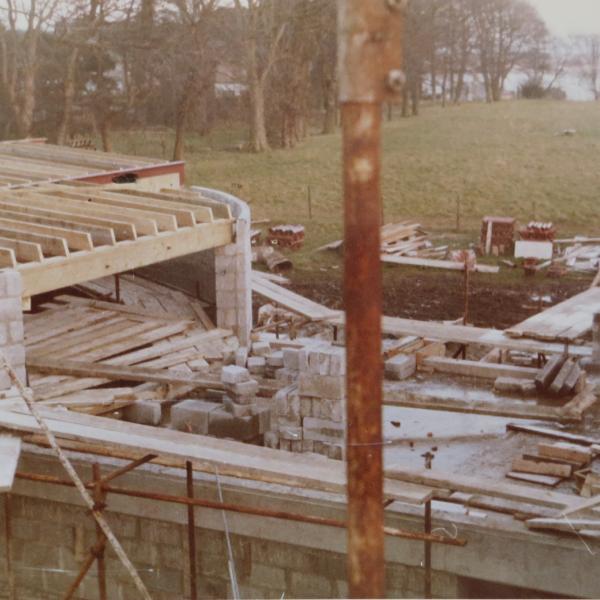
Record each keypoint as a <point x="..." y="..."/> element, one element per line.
<point x="79" y="66"/>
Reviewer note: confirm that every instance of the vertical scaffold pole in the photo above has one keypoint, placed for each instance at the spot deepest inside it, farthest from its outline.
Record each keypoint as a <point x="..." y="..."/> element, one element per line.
<point x="370" y="55"/>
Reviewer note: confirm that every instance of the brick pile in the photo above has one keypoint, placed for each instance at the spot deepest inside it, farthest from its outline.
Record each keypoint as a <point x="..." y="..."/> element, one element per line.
<point x="310" y="413"/>
<point x="503" y="232"/>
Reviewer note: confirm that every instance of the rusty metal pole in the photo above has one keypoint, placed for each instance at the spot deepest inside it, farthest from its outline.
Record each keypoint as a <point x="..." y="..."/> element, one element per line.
<point x="191" y="530"/>
<point x="370" y="54"/>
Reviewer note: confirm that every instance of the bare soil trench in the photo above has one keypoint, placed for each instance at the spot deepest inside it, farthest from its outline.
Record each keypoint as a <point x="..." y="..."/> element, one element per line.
<point x="442" y="297"/>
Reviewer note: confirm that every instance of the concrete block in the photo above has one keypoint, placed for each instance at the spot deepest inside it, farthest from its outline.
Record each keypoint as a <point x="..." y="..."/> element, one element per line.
<point x="286" y="376"/>
<point x="308" y="446"/>
<point x="4" y="332"/>
<point x="233" y="374"/>
<point x="306" y="407"/>
<point x="296" y="446"/>
<point x="223" y="424"/>
<point x="510" y="385"/>
<point x="275" y="360"/>
<point x="321" y="386"/>
<point x="323" y="430"/>
<point x="16" y="332"/>
<point x="246" y="388"/>
<point x="272" y="440"/>
<point x="5" y="382"/>
<point x="261" y="348"/>
<point x="237" y="410"/>
<point x="192" y="416"/>
<point x="11" y="283"/>
<point x="303" y="360"/>
<point x="15" y="355"/>
<point x="285" y="445"/>
<point x="241" y="356"/>
<point x="337" y="363"/>
<point x="10" y="309"/>
<point x="144" y="412"/>
<point x="315" y="408"/>
<point x="335" y="451"/>
<point x="290" y="433"/>
<point x="290" y="359"/>
<point x="263" y="417"/>
<point x="257" y="364"/>
<point x="401" y="367"/>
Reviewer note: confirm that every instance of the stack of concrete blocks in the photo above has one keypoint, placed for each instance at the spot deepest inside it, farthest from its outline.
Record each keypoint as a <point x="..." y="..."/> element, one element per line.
<point x="12" y="336"/>
<point x="240" y="414"/>
<point x="233" y="271"/>
<point x="311" y="414"/>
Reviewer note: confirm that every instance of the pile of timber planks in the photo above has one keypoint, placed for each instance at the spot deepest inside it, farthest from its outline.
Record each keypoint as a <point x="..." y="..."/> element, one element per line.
<point x="567" y="321"/>
<point x="553" y="463"/>
<point x="409" y="239"/>
<point x="94" y="334"/>
<point x="561" y="376"/>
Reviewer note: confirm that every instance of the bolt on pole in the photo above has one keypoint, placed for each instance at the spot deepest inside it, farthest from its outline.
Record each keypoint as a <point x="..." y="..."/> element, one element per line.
<point x="370" y="55"/>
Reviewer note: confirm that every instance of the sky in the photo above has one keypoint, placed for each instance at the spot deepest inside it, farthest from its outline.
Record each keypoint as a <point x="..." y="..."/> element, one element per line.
<point x="566" y="17"/>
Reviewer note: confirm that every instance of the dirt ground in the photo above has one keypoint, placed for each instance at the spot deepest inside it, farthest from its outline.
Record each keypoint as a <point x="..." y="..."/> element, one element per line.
<point x="442" y="297"/>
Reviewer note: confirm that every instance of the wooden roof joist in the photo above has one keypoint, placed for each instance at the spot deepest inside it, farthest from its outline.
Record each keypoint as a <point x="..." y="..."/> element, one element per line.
<point x="62" y="235"/>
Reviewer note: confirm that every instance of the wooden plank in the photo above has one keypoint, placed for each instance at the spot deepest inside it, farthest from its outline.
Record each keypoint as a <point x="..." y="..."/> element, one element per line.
<point x="121" y="229"/>
<point x="521" y="465"/>
<point x="23" y="251"/>
<point x="7" y="258"/>
<point x="546" y="480"/>
<point x="165" y="221"/>
<point x="470" y="368"/>
<point x="10" y="451"/>
<point x="436" y="264"/>
<point x="89" y="369"/>
<point x="550" y="370"/>
<point x="50" y="245"/>
<point x="564" y="451"/>
<point x="557" y="385"/>
<point x="143" y="225"/>
<point x="99" y="235"/>
<point x="481" y="485"/>
<point x="566" y="525"/>
<point x="233" y="459"/>
<point x="76" y="240"/>
<point x="553" y="433"/>
<point x="126" y="256"/>
<point x="566" y="321"/>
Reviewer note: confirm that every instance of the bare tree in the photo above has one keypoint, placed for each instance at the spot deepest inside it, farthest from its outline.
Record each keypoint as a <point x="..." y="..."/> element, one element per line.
<point x="19" y="56"/>
<point x="504" y="31"/>
<point x="588" y="59"/>
<point x="263" y="31"/>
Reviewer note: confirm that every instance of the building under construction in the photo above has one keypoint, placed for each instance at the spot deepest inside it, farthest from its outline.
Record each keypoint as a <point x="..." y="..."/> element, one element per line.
<point x="155" y="443"/>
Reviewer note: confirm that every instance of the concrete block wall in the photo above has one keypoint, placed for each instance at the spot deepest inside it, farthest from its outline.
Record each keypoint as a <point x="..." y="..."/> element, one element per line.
<point x="311" y="413"/>
<point x="11" y="325"/>
<point x="233" y="271"/>
<point x="51" y="539"/>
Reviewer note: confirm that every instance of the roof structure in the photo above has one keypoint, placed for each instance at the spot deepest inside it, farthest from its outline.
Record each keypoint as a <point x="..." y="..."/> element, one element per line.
<point x="62" y="235"/>
<point x="24" y="163"/>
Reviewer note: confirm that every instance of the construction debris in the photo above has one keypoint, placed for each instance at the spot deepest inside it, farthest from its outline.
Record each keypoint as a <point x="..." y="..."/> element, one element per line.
<point x="286" y="236"/>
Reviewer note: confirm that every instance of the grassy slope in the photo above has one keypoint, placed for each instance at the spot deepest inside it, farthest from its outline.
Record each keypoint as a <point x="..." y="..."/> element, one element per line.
<point x="502" y="159"/>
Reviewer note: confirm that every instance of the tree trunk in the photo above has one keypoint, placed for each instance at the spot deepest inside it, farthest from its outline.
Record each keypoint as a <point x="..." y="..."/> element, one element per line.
<point x="330" y="102"/>
<point x="258" y="128"/>
<point x="105" y="134"/>
<point x="69" y="97"/>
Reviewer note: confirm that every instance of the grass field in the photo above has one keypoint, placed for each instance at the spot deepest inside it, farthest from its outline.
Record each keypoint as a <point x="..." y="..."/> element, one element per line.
<point x="502" y="159"/>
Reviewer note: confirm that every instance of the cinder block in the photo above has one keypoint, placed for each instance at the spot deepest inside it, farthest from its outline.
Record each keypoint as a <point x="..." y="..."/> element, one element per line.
<point x="4" y="333"/>
<point x="233" y="374"/>
<point x="11" y="283"/>
<point x="144" y="412"/>
<point x="290" y="359"/>
<point x="286" y="376"/>
<point x="275" y="360"/>
<point x="10" y="309"/>
<point x="261" y="348"/>
<point x="337" y="363"/>
<point x="16" y="332"/>
<point x="321" y="386"/>
<point x="224" y="424"/>
<point x="272" y="440"/>
<point x="237" y="410"/>
<point x="256" y="365"/>
<point x="245" y="388"/>
<point x="308" y="446"/>
<point x="15" y="355"/>
<point x="241" y="356"/>
<point x="323" y="430"/>
<point x="335" y="451"/>
<point x="291" y="433"/>
<point x="296" y="445"/>
<point x="401" y="366"/>
<point x="263" y="416"/>
<point x="305" y="407"/>
<point x="192" y="415"/>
